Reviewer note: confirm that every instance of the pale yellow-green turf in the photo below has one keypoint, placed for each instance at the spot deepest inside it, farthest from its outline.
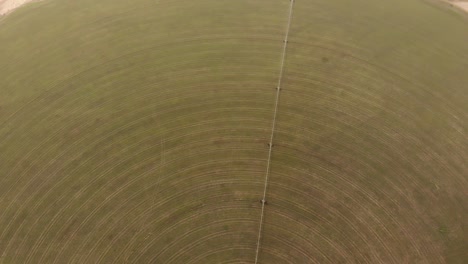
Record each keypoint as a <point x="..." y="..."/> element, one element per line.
<point x="137" y="132"/>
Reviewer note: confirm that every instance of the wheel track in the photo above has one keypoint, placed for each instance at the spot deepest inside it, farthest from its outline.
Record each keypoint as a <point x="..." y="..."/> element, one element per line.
<point x="116" y="59"/>
<point x="116" y="192"/>
<point x="389" y="214"/>
<point x="174" y="226"/>
<point x="202" y="174"/>
<point x="351" y="198"/>
<point x="173" y="197"/>
<point x="209" y="235"/>
<point x="318" y="216"/>
<point x="95" y="209"/>
<point x="211" y="252"/>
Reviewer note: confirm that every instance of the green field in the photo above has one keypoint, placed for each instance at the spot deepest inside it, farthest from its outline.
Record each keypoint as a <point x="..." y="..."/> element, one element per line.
<point x="137" y="132"/>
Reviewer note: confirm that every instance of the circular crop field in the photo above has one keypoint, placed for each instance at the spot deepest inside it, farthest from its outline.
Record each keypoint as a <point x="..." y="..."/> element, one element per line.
<point x="234" y="131"/>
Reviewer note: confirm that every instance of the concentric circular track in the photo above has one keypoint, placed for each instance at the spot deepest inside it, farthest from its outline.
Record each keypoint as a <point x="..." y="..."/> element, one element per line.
<point x="138" y="131"/>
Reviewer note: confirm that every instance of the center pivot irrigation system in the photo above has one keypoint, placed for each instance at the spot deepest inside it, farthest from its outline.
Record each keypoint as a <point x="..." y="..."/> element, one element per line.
<point x="270" y="145"/>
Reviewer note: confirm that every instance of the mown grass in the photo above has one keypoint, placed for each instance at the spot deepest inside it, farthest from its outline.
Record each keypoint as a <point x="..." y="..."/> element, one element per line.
<point x="364" y="134"/>
<point x="136" y="132"/>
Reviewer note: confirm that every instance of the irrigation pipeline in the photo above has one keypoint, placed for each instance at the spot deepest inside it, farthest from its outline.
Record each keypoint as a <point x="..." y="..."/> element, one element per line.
<point x="270" y="145"/>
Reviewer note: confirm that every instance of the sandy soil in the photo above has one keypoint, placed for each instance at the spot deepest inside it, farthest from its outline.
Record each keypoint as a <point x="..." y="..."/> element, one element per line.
<point x="7" y="6"/>
<point x="463" y="4"/>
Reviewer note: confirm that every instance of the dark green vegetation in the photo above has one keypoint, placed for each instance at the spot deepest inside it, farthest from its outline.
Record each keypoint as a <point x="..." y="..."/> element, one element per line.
<point x="137" y="131"/>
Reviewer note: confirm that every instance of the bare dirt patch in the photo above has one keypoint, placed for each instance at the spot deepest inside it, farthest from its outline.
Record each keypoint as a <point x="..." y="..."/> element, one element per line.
<point x="462" y="4"/>
<point x="7" y="6"/>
